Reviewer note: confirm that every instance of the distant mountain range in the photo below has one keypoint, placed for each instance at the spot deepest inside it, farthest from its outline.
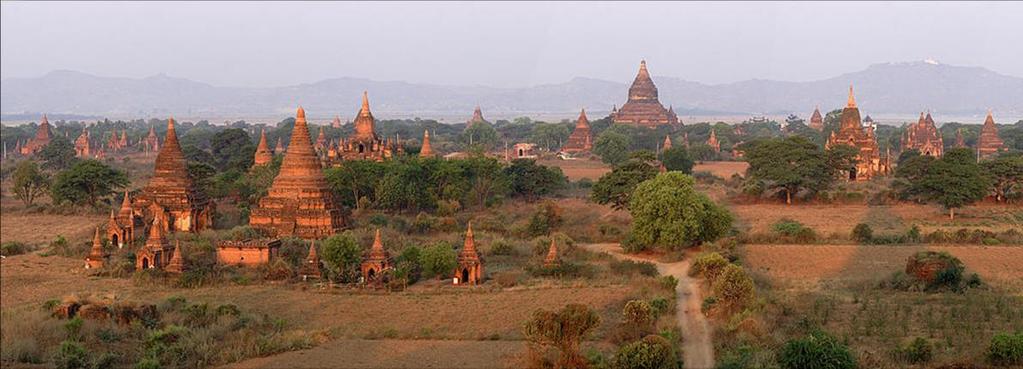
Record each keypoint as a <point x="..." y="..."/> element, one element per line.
<point x="892" y="88"/>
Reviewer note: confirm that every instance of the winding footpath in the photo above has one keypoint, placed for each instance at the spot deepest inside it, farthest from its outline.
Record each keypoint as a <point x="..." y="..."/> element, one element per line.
<point x="697" y="345"/>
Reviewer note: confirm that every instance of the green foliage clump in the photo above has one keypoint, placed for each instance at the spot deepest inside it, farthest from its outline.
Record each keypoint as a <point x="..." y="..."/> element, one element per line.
<point x="862" y="233"/>
<point x="530" y="180"/>
<point x="733" y="288"/>
<point x="14" y="248"/>
<point x="342" y="257"/>
<point x="818" y="350"/>
<point x="639" y="313"/>
<point x="29" y="181"/>
<point x="546" y="218"/>
<point x="917" y="351"/>
<point x="1006" y="349"/>
<point x="86" y="183"/>
<point x="612" y="147"/>
<point x="794" y="164"/>
<point x="71" y="355"/>
<point x="629" y="267"/>
<point x="438" y="260"/>
<point x="562" y="330"/>
<point x="669" y="213"/>
<point x="708" y="265"/>
<point x="651" y="352"/>
<point x="794" y="231"/>
<point x="617" y="186"/>
<point x="677" y="159"/>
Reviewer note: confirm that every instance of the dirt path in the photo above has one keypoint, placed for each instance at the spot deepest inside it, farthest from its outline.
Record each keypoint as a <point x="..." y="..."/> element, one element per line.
<point x="697" y="345"/>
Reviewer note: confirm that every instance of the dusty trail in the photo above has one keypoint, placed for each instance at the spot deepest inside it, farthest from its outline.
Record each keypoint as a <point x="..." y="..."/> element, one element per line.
<point x="697" y="344"/>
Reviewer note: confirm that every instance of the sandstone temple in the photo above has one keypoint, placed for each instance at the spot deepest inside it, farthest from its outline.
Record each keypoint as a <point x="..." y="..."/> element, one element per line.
<point x="41" y="139"/>
<point x="643" y="108"/>
<point x="816" y="120"/>
<point x="989" y="143"/>
<point x="852" y="132"/>
<point x="171" y="192"/>
<point x="581" y="140"/>
<point x="263" y="154"/>
<point x="924" y="137"/>
<point x="469" y="261"/>
<point x="377" y="261"/>
<point x="299" y="202"/>
<point x="362" y="144"/>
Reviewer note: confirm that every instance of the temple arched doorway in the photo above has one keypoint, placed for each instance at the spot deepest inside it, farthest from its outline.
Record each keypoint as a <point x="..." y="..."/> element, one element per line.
<point x="113" y="240"/>
<point x="145" y="263"/>
<point x="465" y="275"/>
<point x="371" y="274"/>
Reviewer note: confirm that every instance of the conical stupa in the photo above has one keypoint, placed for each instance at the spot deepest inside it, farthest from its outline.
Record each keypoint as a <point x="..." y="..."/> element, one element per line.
<point x="171" y="189"/>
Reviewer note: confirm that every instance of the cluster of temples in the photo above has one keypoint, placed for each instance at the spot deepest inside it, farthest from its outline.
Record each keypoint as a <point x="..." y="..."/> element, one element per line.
<point x="852" y="132"/>
<point x="362" y="144"/>
<point x="643" y="107"/>
<point x="923" y="137"/>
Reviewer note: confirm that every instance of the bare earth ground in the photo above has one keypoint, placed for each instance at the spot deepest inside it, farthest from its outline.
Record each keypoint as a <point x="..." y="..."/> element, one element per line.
<point x="396" y="354"/>
<point x="697" y="345"/>
<point x="827" y="219"/>
<point x="578" y="169"/>
<point x="810" y="266"/>
<point x="723" y="169"/>
<point x="37" y="229"/>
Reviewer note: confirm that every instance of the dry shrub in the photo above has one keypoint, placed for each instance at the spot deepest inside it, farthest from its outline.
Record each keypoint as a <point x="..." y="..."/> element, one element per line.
<point x="509" y="278"/>
<point x="733" y="289"/>
<point x="708" y="265"/>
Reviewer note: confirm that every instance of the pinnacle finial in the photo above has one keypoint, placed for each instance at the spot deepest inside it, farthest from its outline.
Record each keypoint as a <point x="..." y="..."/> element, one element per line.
<point x="852" y="99"/>
<point x="170" y="124"/>
<point x="365" y="101"/>
<point x="300" y="114"/>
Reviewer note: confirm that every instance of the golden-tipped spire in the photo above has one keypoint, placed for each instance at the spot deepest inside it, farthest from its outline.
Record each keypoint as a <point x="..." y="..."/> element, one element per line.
<point x="852" y="99"/>
<point x="378" y="244"/>
<point x="365" y="102"/>
<point x="470" y="241"/>
<point x="170" y="124"/>
<point x="300" y="114"/>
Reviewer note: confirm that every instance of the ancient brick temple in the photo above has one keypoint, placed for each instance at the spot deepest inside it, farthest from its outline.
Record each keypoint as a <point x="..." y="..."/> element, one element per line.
<point x="989" y="143"/>
<point x="172" y="192"/>
<point x="852" y="132"/>
<point x="667" y="143"/>
<point x="816" y="120"/>
<point x="364" y="143"/>
<point x="299" y="202"/>
<point x="157" y="252"/>
<point x="643" y="108"/>
<point x="712" y="141"/>
<point x="376" y="261"/>
<point x="125" y="225"/>
<point x="426" y="150"/>
<point x="151" y="143"/>
<point x="311" y="267"/>
<point x="552" y="259"/>
<point x="469" y="261"/>
<point x="177" y="261"/>
<point x="581" y="139"/>
<point x="477" y="117"/>
<point x="336" y="123"/>
<point x="321" y="141"/>
<point x="960" y="141"/>
<point x="83" y="148"/>
<point x="41" y="139"/>
<point x="247" y="252"/>
<point x="118" y="142"/>
<point x="279" y="148"/>
<point x="924" y="137"/>
<point x="96" y="257"/>
<point x="263" y="154"/>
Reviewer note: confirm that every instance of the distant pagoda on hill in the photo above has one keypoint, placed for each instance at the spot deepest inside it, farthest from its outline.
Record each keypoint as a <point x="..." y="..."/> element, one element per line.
<point x="299" y="202"/>
<point x="643" y="107"/>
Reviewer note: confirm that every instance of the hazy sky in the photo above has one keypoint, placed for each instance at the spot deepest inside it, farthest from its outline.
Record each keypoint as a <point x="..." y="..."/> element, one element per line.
<point x="499" y="44"/>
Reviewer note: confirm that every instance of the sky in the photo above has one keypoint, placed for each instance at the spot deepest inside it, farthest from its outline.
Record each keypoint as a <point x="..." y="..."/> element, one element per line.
<point x="509" y="44"/>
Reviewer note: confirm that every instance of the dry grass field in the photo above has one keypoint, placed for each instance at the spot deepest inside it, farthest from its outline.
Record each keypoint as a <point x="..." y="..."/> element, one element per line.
<point x="578" y="169"/>
<point x="723" y="169"/>
<point x="397" y="354"/>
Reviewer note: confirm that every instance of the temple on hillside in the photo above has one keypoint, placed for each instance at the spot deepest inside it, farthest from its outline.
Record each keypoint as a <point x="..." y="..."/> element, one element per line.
<point x="923" y="137"/>
<point x="426" y="150"/>
<point x="124" y="225"/>
<point x="96" y="257"/>
<point x="157" y="251"/>
<point x="376" y="261"/>
<point x="469" y="261"/>
<point x="299" y="202"/>
<point x="852" y="132"/>
<point x="263" y="154"/>
<point x="171" y="191"/>
<point x="41" y="139"/>
<point x="581" y="139"/>
<point x="713" y="142"/>
<point x="989" y="143"/>
<point x="552" y="259"/>
<point x="151" y="143"/>
<point x="83" y="149"/>
<point x="364" y="143"/>
<point x="643" y="108"/>
<point x="816" y="120"/>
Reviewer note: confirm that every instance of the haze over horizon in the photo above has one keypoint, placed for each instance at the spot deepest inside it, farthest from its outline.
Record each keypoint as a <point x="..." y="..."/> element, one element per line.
<point x="500" y="45"/>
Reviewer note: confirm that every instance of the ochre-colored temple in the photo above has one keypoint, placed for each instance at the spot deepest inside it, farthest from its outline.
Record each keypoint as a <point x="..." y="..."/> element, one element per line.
<point x="989" y="143"/>
<point x="363" y="143"/>
<point x="96" y="257"/>
<point x="376" y="261"/>
<point x="177" y="261"/>
<point x="960" y="141"/>
<point x="41" y="139"/>
<point x="713" y="142"/>
<point x="311" y="267"/>
<point x="124" y="225"/>
<point x="581" y="140"/>
<point x="299" y="202"/>
<point x="247" y="252"/>
<point x="157" y="251"/>
<point x="152" y="142"/>
<point x="643" y="108"/>
<point x="426" y="150"/>
<point x="667" y="143"/>
<point x="924" y="137"/>
<point x="816" y="120"/>
<point x="469" y="261"/>
<point x="83" y="148"/>
<point x="852" y="132"/>
<point x="552" y="259"/>
<point x="172" y="192"/>
<point x="263" y="154"/>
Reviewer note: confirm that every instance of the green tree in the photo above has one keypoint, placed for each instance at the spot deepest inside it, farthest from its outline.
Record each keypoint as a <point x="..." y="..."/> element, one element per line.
<point x="59" y="154"/>
<point x="733" y="287"/>
<point x="955" y="181"/>
<point x="702" y="152"/>
<point x="481" y="135"/>
<point x="355" y="179"/>
<point x="438" y="260"/>
<point x="617" y="186"/>
<point x="613" y="147"/>
<point x="529" y="180"/>
<point x="677" y="159"/>
<point x="818" y="350"/>
<point x="909" y="175"/>
<point x="549" y="135"/>
<point x="563" y="330"/>
<point x="486" y="178"/>
<point x="405" y="187"/>
<point x="233" y="149"/>
<point x="1006" y="175"/>
<point x="86" y="182"/>
<point x="29" y="181"/>
<point x="668" y="212"/>
<point x="790" y="165"/>
<point x="342" y="256"/>
<point x="651" y="352"/>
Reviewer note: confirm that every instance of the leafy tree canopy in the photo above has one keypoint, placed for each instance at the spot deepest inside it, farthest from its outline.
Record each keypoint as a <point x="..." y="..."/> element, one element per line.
<point x="87" y="182"/>
<point x="669" y="213"/>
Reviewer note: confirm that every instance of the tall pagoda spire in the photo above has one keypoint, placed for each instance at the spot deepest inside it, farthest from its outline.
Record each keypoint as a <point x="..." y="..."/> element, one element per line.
<point x="279" y="148"/>
<point x="477" y="115"/>
<point x="852" y="99"/>
<point x="177" y="262"/>
<point x="583" y="121"/>
<point x="364" y="125"/>
<point x="96" y="256"/>
<point x="470" y="241"/>
<point x="263" y="155"/>
<point x="426" y="150"/>
<point x="552" y="254"/>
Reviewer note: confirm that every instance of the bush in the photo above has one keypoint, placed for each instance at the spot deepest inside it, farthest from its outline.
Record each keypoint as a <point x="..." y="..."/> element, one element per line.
<point x="916" y="352"/>
<point x="733" y="288"/>
<point x="438" y="260"/>
<point x="794" y="231"/>
<point x="862" y="233"/>
<point x="1006" y="349"/>
<point x="660" y="305"/>
<point x="629" y="267"/>
<point x="652" y="352"/>
<point x="639" y="313"/>
<point x="14" y="248"/>
<point x="817" y="350"/>
<point x="546" y="218"/>
<point x="502" y="247"/>
<point x="708" y="265"/>
<point x="71" y="355"/>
